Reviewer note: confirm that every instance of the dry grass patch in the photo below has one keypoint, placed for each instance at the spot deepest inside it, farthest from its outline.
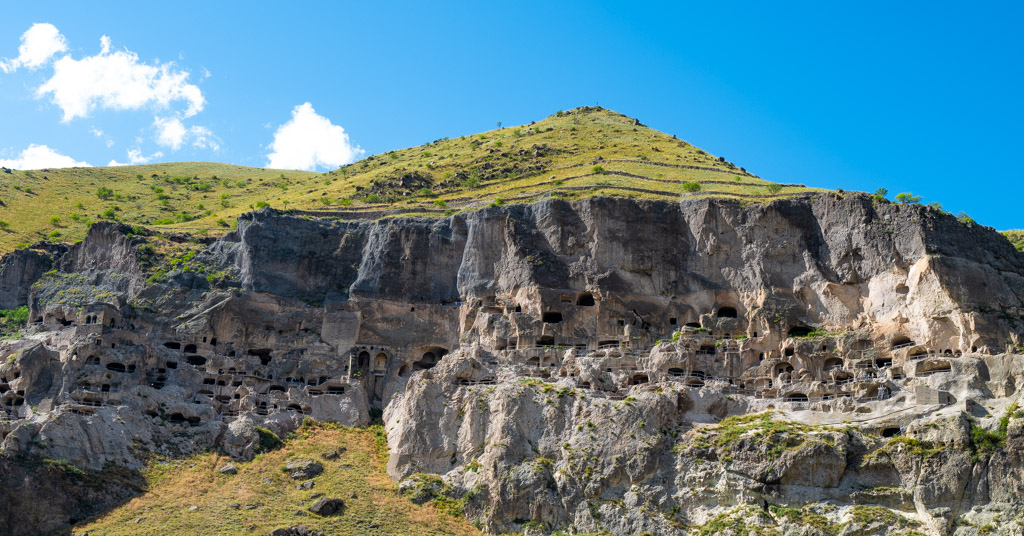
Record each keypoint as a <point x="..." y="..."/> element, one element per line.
<point x="373" y="504"/>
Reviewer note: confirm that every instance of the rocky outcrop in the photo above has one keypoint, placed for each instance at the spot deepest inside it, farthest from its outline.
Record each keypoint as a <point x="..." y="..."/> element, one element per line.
<point x="604" y="364"/>
<point x="21" y="268"/>
<point x="46" y="496"/>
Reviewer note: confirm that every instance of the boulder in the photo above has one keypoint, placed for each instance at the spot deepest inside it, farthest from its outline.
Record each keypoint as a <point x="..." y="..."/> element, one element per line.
<point x="304" y="469"/>
<point x="326" y="506"/>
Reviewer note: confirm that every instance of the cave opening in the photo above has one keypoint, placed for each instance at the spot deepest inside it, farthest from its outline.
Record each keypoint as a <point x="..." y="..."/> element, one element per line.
<point x="727" y="312"/>
<point x="551" y="317"/>
<point x="262" y="353"/>
<point x="799" y="331"/>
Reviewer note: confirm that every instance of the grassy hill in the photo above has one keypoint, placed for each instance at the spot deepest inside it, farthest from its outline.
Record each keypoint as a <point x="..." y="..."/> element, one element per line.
<point x="1016" y="237"/>
<point x="261" y="497"/>
<point x="60" y="204"/>
<point x="583" y="152"/>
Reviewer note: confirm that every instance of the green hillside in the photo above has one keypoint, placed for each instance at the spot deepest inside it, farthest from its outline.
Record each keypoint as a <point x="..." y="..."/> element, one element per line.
<point x="1016" y="237"/>
<point x="60" y="204"/>
<point x="583" y="152"/>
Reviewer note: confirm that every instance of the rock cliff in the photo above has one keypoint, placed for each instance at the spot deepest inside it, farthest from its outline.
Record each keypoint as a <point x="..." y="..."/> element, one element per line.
<point x="829" y="364"/>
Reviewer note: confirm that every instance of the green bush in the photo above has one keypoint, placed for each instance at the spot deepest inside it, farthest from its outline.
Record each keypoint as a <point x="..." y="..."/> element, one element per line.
<point x="774" y="188"/>
<point x="14" y="317"/>
<point x="691" y="187"/>
<point x="268" y="441"/>
<point x="907" y="198"/>
<point x="104" y="193"/>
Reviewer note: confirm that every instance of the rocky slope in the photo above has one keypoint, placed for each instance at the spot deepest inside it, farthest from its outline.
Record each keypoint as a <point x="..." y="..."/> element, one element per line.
<point x="822" y="365"/>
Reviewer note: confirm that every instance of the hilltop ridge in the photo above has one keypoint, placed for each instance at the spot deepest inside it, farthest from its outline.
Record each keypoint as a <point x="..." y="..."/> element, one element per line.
<point x="584" y="152"/>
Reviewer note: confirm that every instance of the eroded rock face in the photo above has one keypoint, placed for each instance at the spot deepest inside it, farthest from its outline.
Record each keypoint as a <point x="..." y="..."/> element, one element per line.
<point x="570" y="364"/>
<point x="18" y="270"/>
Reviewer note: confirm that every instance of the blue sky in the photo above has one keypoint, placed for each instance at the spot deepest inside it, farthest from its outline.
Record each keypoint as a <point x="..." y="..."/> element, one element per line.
<point x="912" y="96"/>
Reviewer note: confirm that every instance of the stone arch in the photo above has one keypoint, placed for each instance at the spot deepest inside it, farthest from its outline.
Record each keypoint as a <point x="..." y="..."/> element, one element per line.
<point x="380" y="362"/>
<point x="799" y="330"/>
<point x="551" y="317"/>
<point x="363" y="359"/>
<point x="638" y="378"/>
<point x="783" y="368"/>
<point x="585" y="299"/>
<point x="430" y="358"/>
<point x="901" y="340"/>
<point x="726" y="312"/>
<point x="832" y="363"/>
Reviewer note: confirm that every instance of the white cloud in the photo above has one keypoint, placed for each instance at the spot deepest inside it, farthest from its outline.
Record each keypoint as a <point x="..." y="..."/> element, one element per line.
<point x="39" y="157"/>
<point x="118" y="81"/>
<point x="100" y="134"/>
<point x="309" y="140"/>
<point x="171" y="132"/>
<point x="135" y="157"/>
<point x="38" y="44"/>
<point x="203" y="137"/>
